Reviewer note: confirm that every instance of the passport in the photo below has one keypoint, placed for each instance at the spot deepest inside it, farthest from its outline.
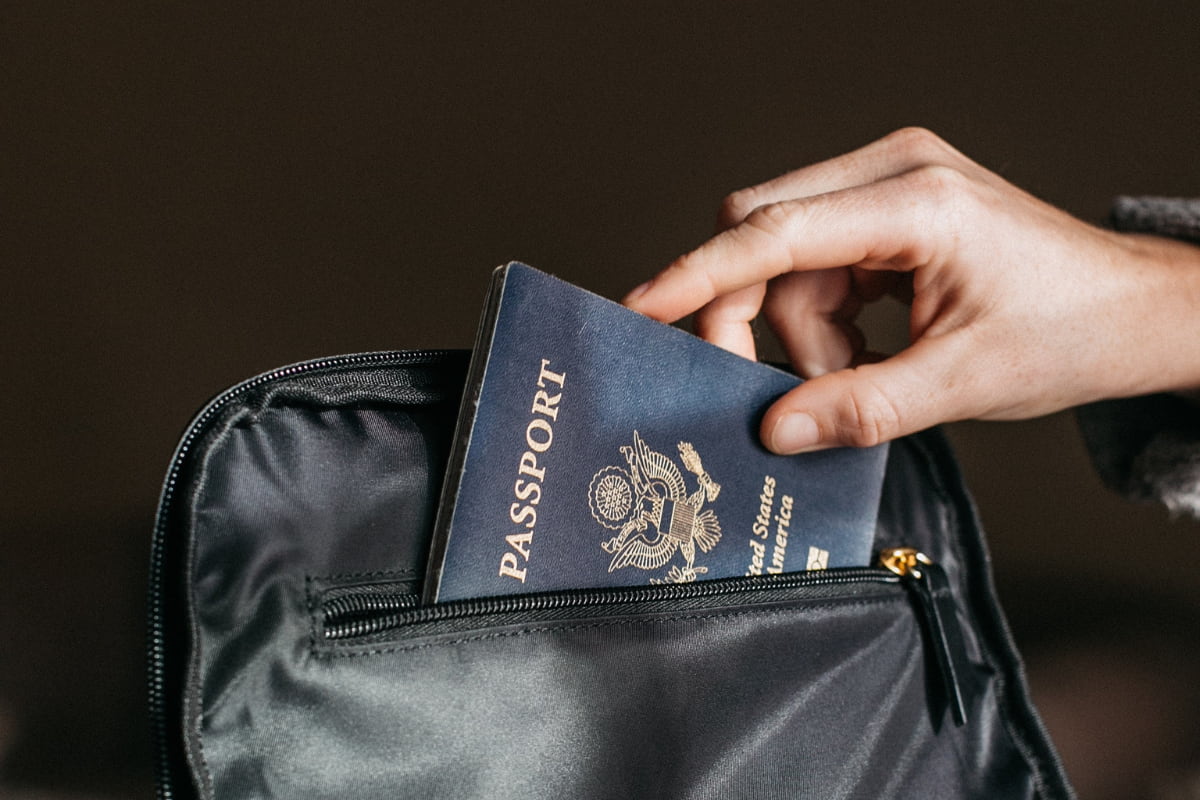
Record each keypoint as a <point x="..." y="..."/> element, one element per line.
<point x="596" y="447"/>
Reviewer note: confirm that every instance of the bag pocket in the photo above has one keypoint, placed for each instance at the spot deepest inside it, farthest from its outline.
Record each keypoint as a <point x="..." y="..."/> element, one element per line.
<point x="348" y="618"/>
<point x="748" y="689"/>
<point x="801" y="685"/>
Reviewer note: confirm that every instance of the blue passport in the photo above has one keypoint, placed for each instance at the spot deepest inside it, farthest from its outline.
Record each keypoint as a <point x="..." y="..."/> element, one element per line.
<point x="596" y="447"/>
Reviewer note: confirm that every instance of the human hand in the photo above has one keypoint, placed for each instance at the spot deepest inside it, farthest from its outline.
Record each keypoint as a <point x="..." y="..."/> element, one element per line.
<point x="1017" y="308"/>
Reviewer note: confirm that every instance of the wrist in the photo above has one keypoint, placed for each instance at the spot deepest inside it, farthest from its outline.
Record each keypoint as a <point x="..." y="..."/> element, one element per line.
<point x="1159" y="343"/>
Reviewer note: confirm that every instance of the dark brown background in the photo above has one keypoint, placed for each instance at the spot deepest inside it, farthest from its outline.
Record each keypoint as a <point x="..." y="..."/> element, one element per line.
<point x="192" y="197"/>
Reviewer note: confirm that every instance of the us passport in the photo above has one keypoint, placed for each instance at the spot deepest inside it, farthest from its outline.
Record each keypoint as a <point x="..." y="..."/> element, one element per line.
<point x="596" y="447"/>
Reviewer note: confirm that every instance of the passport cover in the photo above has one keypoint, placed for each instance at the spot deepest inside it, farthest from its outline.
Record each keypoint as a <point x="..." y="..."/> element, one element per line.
<point x="597" y="447"/>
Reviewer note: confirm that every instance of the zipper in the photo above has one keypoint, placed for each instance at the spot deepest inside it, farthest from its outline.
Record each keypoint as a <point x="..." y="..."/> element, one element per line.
<point x="156" y="645"/>
<point x="935" y="601"/>
<point x="363" y="614"/>
<point x="388" y="612"/>
<point x="358" y="613"/>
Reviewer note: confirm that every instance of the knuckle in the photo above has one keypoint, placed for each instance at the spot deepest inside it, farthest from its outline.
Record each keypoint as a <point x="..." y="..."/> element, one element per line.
<point x="918" y="142"/>
<point x="939" y="182"/>
<point x="694" y="267"/>
<point x="774" y="219"/>
<point x="737" y="206"/>
<point x="867" y="418"/>
<point x="684" y="264"/>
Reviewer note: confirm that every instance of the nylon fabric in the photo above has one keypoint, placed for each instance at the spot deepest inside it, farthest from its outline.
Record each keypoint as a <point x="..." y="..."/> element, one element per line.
<point x="817" y="698"/>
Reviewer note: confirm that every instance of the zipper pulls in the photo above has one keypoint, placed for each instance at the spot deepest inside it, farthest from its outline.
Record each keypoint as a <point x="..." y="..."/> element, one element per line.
<point x="935" y="599"/>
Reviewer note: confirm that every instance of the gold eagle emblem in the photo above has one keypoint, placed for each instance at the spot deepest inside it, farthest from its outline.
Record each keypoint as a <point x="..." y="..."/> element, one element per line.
<point x="648" y="502"/>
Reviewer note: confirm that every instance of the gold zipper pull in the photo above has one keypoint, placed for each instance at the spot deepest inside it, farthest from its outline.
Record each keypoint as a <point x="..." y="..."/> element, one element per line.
<point x="936" y="603"/>
<point x="903" y="560"/>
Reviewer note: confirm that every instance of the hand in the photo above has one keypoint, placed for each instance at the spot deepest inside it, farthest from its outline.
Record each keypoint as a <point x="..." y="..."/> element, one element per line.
<point x="1017" y="308"/>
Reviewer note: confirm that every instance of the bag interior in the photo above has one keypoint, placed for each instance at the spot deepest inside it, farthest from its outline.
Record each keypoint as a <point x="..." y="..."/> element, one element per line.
<point x="327" y="479"/>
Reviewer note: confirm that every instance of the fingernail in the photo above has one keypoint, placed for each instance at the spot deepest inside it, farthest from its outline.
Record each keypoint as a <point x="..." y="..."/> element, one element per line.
<point x="795" y="433"/>
<point x="636" y="293"/>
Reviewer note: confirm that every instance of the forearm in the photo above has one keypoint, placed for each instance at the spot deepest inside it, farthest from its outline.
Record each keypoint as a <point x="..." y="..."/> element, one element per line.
<point x="1153" y="335"/>
<point x="1148" y="447"/>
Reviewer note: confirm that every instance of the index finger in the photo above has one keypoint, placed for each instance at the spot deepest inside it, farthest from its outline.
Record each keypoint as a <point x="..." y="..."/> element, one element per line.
<point x="890" y="224"/>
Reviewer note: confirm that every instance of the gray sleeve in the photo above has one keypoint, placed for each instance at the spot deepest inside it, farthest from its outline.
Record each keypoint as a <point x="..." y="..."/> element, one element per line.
<point x="1166" y="216"/>
<point x="1148" y="448"/>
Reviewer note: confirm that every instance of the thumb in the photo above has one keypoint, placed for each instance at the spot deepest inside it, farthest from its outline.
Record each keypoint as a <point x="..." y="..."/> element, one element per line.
<point x="873" y="403"/>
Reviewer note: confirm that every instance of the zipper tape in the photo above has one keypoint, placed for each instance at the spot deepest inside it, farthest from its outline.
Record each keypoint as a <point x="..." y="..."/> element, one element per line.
<point x="156" y="636"/>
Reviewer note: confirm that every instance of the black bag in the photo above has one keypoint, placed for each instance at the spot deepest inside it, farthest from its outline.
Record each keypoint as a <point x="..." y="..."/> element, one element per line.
<point x="289" y="656"/>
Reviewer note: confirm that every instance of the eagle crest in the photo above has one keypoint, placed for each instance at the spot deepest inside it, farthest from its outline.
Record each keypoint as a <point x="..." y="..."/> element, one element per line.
<point x="647" y="501"/>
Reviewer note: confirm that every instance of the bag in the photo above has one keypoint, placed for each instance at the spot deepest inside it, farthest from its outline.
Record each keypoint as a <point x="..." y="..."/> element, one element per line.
<point x="289" y="656"/>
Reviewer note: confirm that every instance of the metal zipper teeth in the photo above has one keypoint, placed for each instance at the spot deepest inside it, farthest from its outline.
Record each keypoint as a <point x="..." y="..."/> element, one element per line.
<point x="404" y="612"/>
<point x="156" y="637"/>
